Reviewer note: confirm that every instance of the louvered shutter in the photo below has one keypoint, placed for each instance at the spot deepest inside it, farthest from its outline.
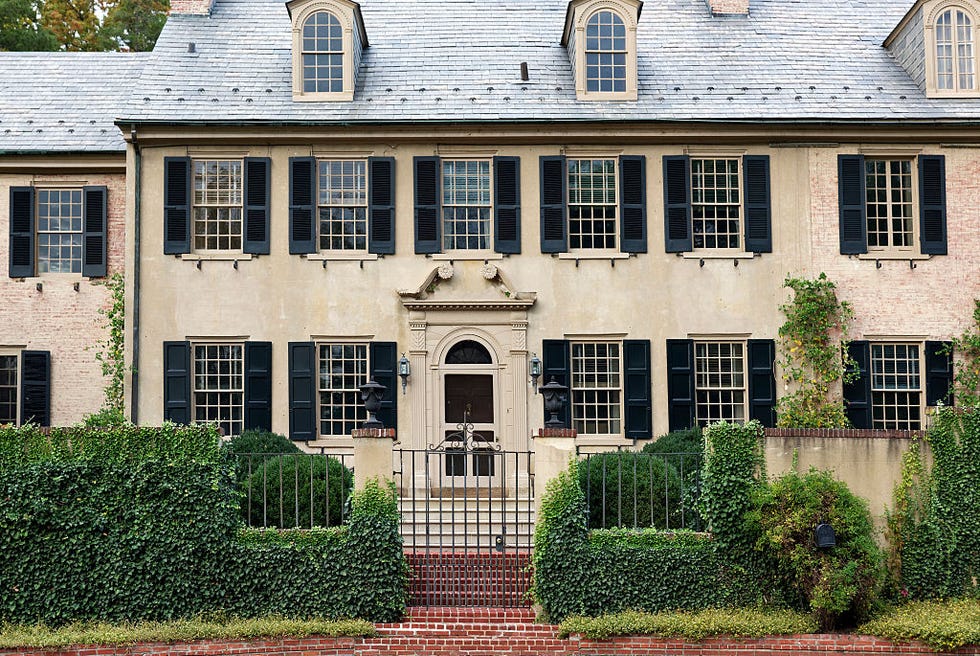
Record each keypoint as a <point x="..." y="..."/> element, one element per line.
<point x="177" y="382"/>
<point x="762" y="381"/>
<point x="556" y="365"/>
<point x="507" y="204"/>
<point x="302" y="391"/>
<point x="680" y="383"/>
<point x="176" y="205"/>
<point x="384" y="370"/>
<point x="35" y="386"/>
<point x="758" y="211"/>
<point x="94" y="238"/>
<point x="851" y="182"/>
<point x="932" y="204"/>
<point x="637" y="389"/>
<point x="258" y="385"/>
<point x="857" y="393"/>
<point x="633" y="203"/>
<point x="21" y="232"/>
<point x="677" y="204"/>
<point x="302" y="205"/>
<point x="427" y="205"/>
<point x="257" y="192"/>
<point x="554" y="205"/>
<point x="939" y="373"/>
<point x="381" y="205"/>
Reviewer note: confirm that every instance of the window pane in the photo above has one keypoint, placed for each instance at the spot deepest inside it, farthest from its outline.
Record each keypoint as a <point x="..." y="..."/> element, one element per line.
<point x="596" y="388"/>
<point x="716" y="203"/>
<point x="219" y="385"/>
<point x="720" y="385"/>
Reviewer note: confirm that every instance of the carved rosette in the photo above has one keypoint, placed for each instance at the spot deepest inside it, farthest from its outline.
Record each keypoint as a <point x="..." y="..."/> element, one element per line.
<point x="446" y="271"/>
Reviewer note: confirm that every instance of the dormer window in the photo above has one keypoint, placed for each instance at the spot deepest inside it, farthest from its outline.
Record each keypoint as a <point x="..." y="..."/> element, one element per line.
<point x="955" y="52"/>
<point x="600" y="36"/>
<point x="328" y="38"/>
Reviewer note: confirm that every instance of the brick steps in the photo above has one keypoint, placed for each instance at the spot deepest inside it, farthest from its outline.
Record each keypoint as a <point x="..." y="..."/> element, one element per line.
<point x="467" y="578"/>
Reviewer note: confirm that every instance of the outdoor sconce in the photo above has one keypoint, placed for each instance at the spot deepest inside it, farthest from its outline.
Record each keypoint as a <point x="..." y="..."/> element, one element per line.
<point x="404" y="371"/>
<point x="555" y="395"/>
<point x="824" y="536"/>
<point x="534" y="369"/>
<point x="371" y="393"/>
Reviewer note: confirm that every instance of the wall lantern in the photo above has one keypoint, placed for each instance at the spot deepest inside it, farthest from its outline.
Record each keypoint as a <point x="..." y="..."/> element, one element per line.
<point x="534" y="369"/>
<point x="824" y="536"/>
<point x="555" y="395"/>
<point x="404" y="371"/>
<point x="371" y="393"/>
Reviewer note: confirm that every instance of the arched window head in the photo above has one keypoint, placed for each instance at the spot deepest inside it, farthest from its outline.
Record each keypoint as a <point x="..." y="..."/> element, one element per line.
<point x="323" y="54"/>
<point x="605" y="53"/>
<point x="955" y="51"/>
<point x="468" y="352"/>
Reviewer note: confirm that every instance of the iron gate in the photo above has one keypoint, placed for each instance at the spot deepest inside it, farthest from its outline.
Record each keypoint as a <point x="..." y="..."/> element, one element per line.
<point x="467" y="520"/>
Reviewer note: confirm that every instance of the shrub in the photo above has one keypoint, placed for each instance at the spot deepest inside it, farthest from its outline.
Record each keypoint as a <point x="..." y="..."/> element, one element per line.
<point x="689" y="440"/>
<point x="944" y="626"/>
<point x="297" y="491"/>
<point x="835" y="583"/>
<point x="738" y="623"/>
<point x="258" y="441"/>
<point x="625" y="488"/>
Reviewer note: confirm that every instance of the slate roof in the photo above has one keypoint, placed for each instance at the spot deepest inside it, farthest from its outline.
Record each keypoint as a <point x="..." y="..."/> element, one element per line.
<point x="64" y="101"/>
<point x="459" y="61"/>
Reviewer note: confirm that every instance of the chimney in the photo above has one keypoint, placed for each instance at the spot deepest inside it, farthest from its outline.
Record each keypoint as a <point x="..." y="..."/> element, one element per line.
<point x="196" y="7"/>
<point x="728" y="7"/>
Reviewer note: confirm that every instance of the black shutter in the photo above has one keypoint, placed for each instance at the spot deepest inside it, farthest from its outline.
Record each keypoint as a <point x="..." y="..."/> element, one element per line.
<point x="556" y="365"/>
<point x="257" y="191"/>
<point x="94" y="239"/>
<point x="762" y="381"/>
<point x="258" y="385"/>
<point x="176" y="205"/>
<point x="939" y="373"/>
<point x="302" y="391"/>
<point x="381" y="205"/>
<point x="507" y="204"/>
<point x="932" y="204"/>
<point x="852" y="197"/>
<point x="426" y="178"/>
<point x="302" y="205"/>
<point x="21" y="232"/>
<point x="384" y="370"/>
<point x="857" y="393"/>
<point x="637" y="389"/>
<point x="35" y="387"/>
<point x="680" y="383"/>
<point x="633" y="203"/>
<point x="177" y="382"/>
<point x="677" y="204"/>
<point x="758" y="210"/>
<point x="554" y="205"/>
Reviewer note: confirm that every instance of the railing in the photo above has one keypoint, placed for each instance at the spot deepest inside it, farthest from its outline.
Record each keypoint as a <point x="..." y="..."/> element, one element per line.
<point x="641" y="490"/>
<point x="294" y="490"/>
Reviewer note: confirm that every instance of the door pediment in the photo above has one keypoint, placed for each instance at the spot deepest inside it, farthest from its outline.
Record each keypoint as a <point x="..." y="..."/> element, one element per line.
<point x="466" y="286"/>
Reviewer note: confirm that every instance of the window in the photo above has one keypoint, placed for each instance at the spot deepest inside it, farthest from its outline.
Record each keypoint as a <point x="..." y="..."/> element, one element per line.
<point x="889" y="204"/>
<point x="896" y="386"/>
<point x="59" y="230"/>
<point x="342" y="205"/>
<point x="720" y="381"/>
<point x="955" y="57"/>
<point x="605" y="53"/>
<point x="716" y="204"/>
<point x="217" y="205"/>
<point x="466" y="206"/>
<point x="592" y="202"/>
<point x="596" y="388"/>
<point x="343" y="369"/>
<point x="8" y="389"/>
<point x="323" y="54"/>
<point x="219" y="386"/>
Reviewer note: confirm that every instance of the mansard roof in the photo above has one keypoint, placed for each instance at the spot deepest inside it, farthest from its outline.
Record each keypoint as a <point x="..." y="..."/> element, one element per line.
<point x="64" y="101"/>
<point x="460" y="61"/>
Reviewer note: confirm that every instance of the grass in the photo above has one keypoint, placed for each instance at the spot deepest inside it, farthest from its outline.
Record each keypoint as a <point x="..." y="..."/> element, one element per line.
<point x="102" y="633"/>
<point x="943" y="625"/>
<point x="737" y="622"/>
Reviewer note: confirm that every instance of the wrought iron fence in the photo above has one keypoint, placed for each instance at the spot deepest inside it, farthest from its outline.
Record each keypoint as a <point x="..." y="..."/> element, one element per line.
<point x="631" y="489"/>
<point x="294" y="490"/>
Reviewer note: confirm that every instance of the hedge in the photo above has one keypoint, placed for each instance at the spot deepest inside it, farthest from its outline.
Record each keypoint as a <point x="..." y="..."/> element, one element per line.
<point x="130" y="523"/>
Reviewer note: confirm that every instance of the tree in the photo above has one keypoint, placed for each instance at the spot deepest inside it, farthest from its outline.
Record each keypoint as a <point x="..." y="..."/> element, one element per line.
<point x="20" y="29"/>
<point x="134" y="24"/>
<point x="75" y="23"/>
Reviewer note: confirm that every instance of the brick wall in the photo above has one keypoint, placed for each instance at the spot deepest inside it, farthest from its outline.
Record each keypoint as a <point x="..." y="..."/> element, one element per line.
<point x="727" y="7"/>
<point x="191" y="6"/>
<point x="59" y="319"/>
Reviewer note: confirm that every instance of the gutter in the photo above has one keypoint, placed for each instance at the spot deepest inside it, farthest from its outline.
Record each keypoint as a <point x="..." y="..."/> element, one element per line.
<point x="135" y="388"/>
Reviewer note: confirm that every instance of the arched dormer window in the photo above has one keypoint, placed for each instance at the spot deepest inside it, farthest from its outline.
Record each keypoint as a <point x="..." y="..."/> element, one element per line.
<point x="328" y="39"/>
<point x="955" y="51"/>
<point x="605" y="53"/>
<point x="323" y="54"/>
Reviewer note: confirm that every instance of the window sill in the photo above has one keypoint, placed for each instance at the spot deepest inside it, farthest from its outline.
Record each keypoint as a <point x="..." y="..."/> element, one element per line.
<point x="342" y="257"/>
<point x="596" y="255"/>
<point x="893" y="256"/>
<point x="215" y="257"/>
<point x="715" y="255"/>
<point x="460" y="256"/>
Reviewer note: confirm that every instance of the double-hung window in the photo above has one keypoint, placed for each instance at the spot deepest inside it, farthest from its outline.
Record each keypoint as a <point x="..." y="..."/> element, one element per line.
<point x="219" y="385"/>
<point x="342" y="205"/>
<point x="955" y="62"/>
<point x="8" y="389"/>
<point x="716" y="203"/>
<point x="605" y="53"/>
<point x="466" y="205"/>
<point x="59" y="230"/>
<point x="323" y="54"/>
<point x="217" y="205"/>
<point x="889" y="204"/>
<point x="896" y="386"/>
<point x="592" y="204"/>
<point x="25" y="387"/>
<point x="720" y="382"/>
<point x="597" y="388"/>
<point x="343" y="368"/>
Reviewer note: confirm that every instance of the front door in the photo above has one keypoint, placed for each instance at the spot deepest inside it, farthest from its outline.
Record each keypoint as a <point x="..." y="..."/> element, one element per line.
<point x="469" y="415"/>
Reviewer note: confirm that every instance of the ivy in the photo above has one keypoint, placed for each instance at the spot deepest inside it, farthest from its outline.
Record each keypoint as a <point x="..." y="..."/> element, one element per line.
<point x="111" y="355"/>
<point x="966" y="378"/>
<point x="813" y="354"/>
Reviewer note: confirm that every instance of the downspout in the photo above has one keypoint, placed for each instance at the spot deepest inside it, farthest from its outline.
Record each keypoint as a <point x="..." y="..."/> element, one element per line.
<point x="137" y="174"/>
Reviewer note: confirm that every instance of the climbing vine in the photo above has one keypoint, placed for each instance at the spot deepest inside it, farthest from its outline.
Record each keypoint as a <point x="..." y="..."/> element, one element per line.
<point x="813" y="357"/>
<point x="111" y="354"/>
<point x="966" y="378"/>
